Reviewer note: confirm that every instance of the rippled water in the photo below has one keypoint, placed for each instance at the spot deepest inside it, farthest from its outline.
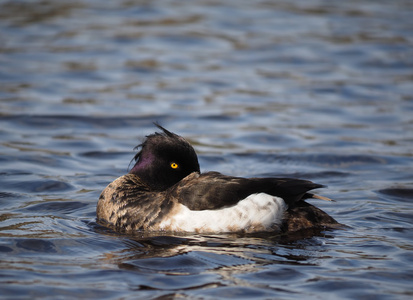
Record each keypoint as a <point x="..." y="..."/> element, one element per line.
<point x="320" y="90"/>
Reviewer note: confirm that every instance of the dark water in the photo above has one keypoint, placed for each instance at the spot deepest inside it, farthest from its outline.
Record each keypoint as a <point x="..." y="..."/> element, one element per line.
<point x="321" y="90"/>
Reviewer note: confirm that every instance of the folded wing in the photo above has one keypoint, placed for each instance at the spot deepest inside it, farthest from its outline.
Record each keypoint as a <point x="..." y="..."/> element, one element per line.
<point x="214" y="190"/>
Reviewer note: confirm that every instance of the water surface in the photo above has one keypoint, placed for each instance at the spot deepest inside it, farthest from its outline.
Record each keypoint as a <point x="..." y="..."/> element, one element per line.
<point x="320" y="90"/>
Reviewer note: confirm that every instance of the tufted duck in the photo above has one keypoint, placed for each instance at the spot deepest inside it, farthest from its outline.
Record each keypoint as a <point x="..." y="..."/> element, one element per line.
<point x="165" y="191"/>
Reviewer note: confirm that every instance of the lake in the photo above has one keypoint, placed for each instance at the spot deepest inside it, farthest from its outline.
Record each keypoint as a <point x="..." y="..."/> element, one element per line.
<point x="318" y="90"/>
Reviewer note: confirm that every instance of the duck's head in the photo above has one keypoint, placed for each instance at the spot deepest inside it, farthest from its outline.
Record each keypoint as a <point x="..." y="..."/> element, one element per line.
<point x="164" y="159"/>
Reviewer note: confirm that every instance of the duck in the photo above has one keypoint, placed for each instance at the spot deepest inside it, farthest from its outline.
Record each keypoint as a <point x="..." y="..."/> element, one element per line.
<point x="165" y="191"/>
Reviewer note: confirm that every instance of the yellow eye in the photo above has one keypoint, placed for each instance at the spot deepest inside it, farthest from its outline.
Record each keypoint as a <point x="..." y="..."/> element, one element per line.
<point x="174" y="165"/>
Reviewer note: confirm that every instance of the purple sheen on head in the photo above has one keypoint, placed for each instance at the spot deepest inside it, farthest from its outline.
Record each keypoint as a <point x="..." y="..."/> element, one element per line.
<point x="143" y="162"/>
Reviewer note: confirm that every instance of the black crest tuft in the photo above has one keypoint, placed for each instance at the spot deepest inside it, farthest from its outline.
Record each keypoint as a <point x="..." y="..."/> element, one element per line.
<point x="165" y="133"/>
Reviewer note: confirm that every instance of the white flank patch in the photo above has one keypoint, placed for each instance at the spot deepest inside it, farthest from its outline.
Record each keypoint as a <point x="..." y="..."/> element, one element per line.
<point x="257" y="212"/>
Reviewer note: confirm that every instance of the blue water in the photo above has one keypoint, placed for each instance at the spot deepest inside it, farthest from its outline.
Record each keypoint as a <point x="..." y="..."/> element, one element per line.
<point x="319" y="90"/>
